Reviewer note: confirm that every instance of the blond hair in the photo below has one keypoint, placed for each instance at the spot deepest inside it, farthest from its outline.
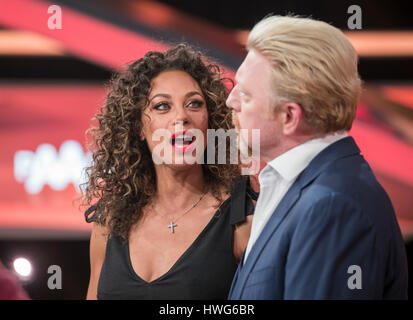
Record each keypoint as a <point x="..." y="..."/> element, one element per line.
<point x="314" y="66"/>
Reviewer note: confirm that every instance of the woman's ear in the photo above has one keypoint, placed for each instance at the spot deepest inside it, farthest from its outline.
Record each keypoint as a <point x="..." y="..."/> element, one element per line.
<point x="139" y="126"/>
<point x="141" y="136"/>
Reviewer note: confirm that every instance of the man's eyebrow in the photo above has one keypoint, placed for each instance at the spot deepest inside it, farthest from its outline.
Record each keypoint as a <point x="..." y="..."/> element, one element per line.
<point x="241" y="88"/>
<point x="239" y="84"/>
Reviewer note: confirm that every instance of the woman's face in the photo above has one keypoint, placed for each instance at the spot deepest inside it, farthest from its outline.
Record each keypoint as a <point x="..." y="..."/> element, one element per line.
<point x="175" y="122"/>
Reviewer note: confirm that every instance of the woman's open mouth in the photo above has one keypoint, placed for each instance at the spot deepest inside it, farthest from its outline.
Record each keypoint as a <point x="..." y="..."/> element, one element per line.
<point x="182" y="141"/>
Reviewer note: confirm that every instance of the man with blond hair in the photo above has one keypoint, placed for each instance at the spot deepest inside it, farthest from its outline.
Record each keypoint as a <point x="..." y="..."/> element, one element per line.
<point x="323" y="227"/>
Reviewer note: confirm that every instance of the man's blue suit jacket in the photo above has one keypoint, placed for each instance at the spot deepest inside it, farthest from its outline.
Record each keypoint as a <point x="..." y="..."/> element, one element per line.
<point x="334" y="235"/>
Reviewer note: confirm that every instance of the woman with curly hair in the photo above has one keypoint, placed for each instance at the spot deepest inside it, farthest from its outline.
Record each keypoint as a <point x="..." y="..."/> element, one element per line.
<point x="164" y="230"/>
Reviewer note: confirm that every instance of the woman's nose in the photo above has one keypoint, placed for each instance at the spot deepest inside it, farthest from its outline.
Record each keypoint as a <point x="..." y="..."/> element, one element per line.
<point x="181" y="117"/>
<point x="179" y="123"/>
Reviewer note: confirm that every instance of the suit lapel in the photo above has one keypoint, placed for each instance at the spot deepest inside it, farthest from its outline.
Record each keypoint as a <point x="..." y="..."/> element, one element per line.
<point x="233" y="284"/>
<point x="273" y="223"/>
<point x="339" y="149"/>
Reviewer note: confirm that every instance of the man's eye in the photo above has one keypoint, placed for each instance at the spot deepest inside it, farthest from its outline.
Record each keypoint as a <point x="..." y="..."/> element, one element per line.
<point x="244" y="96"/>
<point x="162" y="106"/>
<point x="195" y="104"/>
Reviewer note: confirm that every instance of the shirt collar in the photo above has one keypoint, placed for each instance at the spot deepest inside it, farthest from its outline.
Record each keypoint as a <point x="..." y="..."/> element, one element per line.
<point x="291" y="163"/>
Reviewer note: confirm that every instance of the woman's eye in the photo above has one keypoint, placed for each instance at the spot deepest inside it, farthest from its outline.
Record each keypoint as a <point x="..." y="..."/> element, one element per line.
<point x="196" y="104"/>
<point x="161" y="106"/>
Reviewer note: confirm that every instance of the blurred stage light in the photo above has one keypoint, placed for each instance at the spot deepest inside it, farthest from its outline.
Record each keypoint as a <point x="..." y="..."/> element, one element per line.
<point x="22" y="267"/>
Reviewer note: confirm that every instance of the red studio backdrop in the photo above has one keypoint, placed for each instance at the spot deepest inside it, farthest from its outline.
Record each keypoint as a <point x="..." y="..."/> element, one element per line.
<point x="42" y="127"/>
<point x="32" y="116"/>
<point x="36" y="115"/>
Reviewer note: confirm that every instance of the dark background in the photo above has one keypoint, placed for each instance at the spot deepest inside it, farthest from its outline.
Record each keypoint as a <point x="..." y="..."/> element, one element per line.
<point x="377" y="15"/>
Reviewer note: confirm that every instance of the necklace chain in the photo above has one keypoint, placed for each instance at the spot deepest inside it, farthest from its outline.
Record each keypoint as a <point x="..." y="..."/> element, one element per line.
<point x="172" y="223"/>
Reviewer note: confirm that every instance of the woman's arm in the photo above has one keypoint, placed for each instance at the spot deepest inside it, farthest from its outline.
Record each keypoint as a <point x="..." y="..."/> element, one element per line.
<point x="241" y="236"/>
<point x="98" y="241"/>
<point x="242" y="230"/>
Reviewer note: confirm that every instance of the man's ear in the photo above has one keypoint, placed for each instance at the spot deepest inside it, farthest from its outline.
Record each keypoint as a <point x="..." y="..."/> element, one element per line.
<point x="292" y="115"/>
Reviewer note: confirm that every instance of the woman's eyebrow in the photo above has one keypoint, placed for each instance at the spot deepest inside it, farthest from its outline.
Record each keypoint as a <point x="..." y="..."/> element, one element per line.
<point x="161" y="95"/>
<point x="192" y="93"/>
<point x="168" y="96"/>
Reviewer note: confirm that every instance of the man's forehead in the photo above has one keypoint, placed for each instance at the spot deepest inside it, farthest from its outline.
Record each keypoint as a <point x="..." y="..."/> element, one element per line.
<point x="238" y="74"/>
<point x="254" y="61"/>
<point x="242" y="70"/>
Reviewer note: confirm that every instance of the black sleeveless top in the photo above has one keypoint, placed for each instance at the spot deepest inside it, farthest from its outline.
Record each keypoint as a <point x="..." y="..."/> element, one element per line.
<point x="204" y="271"/>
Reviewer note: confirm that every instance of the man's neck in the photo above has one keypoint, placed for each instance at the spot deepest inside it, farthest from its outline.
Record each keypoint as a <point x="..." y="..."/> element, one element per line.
<point x="287" y="144"/>
<point x="292" y="142"/>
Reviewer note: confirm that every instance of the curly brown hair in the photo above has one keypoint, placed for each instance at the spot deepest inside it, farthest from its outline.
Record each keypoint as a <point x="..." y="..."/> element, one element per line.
<point x="122" y="177"/>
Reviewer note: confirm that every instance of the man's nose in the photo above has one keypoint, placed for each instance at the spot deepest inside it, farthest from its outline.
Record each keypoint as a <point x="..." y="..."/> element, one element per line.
<point x="232" y="101"/>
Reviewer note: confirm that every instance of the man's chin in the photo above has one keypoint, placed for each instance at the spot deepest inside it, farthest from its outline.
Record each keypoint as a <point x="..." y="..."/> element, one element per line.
<point x="237" y="128"/>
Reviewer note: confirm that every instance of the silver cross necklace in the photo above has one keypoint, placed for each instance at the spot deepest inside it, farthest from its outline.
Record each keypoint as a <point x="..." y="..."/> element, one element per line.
<point x="172" y="223"/>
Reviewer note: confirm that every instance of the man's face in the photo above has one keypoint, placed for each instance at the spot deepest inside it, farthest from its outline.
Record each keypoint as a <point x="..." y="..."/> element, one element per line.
<point x="253" y="102"/>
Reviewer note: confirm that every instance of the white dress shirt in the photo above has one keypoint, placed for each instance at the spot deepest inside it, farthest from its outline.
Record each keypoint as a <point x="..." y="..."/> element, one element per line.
<point x="278" y="176"/>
